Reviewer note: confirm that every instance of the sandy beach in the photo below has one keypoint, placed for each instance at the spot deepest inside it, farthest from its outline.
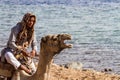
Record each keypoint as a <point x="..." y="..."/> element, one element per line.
<point x="61" y="73"/>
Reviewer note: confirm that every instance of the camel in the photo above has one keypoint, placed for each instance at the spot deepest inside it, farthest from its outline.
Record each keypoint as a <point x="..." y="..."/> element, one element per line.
<point x="50" y="46"/>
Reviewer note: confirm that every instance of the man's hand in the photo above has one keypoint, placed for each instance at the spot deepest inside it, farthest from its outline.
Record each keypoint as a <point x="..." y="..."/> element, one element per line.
<point x="25" y="53"/>
<point x="32" y="53"/>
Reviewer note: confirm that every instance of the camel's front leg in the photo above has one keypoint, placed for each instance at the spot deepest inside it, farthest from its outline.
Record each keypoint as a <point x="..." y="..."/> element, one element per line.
<point x="16" y="75"/>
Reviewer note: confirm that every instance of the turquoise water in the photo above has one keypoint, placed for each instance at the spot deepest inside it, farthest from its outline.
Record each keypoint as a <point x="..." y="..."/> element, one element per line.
<point x="95" y="31"/>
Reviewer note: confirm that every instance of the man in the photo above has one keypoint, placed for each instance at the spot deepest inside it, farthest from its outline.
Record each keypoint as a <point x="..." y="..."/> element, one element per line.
<point x="21" y="38"/>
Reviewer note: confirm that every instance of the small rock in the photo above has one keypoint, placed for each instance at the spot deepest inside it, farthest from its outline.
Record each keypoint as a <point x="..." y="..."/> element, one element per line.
<point x="74" y="65"/>
<point x="107" y="70"/>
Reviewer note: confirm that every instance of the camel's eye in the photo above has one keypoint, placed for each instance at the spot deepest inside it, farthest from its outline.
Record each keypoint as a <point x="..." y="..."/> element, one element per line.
<point x="54" y="39"/>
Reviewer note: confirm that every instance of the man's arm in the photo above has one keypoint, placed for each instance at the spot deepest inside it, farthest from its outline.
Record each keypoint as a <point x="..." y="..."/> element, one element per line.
<point x="11" y="41"/>
<point x="34" y="46"/>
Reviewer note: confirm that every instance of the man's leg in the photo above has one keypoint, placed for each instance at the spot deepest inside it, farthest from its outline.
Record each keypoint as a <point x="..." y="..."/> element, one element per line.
<point x="13" y="61"/>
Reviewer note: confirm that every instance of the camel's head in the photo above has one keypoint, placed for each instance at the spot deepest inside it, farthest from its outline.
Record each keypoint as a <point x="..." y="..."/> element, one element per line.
<point x="55" y="43"/>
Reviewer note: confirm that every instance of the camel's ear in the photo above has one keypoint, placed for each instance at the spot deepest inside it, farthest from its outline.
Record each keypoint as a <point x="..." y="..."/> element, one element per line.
<point x="59" y="36"/>
<point x="43" y="39"/>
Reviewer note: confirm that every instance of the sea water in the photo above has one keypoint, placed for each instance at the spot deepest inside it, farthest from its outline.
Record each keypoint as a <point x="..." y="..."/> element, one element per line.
<point x="95" y="31"/>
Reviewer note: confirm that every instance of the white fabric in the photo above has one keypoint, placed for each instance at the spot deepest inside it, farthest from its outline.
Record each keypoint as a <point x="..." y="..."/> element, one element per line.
<point x="32" y="66"/>
<point x="12" y="60"/>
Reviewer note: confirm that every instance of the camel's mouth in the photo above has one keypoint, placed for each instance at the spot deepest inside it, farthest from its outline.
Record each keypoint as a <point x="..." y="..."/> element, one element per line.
<point x="66" y="40"/>
<point x="67" y="44"/>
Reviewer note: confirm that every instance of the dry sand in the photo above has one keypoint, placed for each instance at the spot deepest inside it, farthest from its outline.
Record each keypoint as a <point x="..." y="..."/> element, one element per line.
<point x="61" y="73"/>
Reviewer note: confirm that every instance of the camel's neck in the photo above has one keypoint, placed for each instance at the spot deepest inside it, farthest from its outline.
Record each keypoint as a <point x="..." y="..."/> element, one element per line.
<point x="43" y="65"/>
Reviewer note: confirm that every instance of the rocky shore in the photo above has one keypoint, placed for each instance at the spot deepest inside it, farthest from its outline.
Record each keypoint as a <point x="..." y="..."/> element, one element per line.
<point x="58" y="72"/>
